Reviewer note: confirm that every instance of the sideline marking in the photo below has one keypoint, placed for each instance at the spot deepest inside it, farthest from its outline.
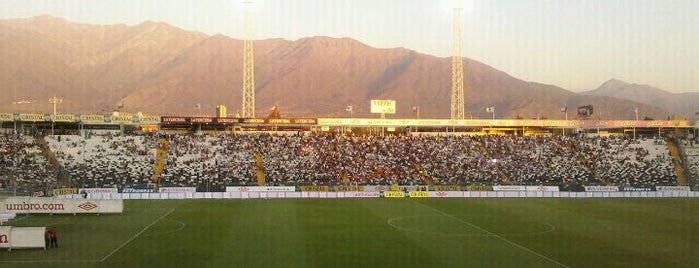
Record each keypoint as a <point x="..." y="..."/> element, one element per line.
<point x="136" y="235"/>
<point x="494" y="235"/>
<point x="47" y="261"/>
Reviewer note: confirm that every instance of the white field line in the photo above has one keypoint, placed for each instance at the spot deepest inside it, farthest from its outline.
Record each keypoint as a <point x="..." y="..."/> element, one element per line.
<point x="136" y="235"/>
<point x="494" y="235"/>
<point x="47" y="261"/>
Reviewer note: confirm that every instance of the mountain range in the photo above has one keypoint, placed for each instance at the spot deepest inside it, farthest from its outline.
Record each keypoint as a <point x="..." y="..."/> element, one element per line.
<point x="159" y="69"/>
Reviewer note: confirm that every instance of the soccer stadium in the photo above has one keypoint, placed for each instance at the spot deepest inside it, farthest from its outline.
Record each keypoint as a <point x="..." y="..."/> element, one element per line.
<point x="353" y="175"/>
<point x="509" y="193"/>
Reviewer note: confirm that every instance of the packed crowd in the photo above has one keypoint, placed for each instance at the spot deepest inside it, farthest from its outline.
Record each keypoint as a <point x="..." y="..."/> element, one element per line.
<point x="690" y="152"/>
<point x="23" y="167"/>
<point x="211" y="162"/>
<point x="106" y="160"/>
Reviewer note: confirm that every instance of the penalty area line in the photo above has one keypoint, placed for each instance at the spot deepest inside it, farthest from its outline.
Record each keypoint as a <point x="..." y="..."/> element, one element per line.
<point x="494" y="235"/>
<point x="136" y="235"/>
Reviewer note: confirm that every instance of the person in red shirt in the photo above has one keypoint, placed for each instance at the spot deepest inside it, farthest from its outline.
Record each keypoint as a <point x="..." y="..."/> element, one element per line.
<point x="53" y="237"/>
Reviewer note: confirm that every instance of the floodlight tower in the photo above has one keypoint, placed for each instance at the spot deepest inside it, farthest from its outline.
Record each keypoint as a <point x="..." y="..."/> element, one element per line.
<point x="55" y="101"/>
<point x="248" y="65"/>
<point x="457" y="71"/>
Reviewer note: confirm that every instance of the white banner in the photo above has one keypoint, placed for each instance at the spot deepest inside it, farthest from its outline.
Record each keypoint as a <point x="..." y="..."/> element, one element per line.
<point x="27" y="237"/>
<point x="542" y="188"/>
<point x="601" y="188"/>
<point x="48" y="205"/>
<point x="98" y="190"/>
<point x="178" y="189"/>
<point x="361" y="194"/>
<point x="5" y="236"/>
<point x="447" y="194"/>
<point x="261" y="189"/>
<point x="673" y="188"/>
<point x="377" y="188"/>
<point x="509" y="188"/>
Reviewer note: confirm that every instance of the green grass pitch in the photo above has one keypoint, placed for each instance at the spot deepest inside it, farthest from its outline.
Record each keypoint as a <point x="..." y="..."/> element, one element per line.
<point x="454" y="232"/>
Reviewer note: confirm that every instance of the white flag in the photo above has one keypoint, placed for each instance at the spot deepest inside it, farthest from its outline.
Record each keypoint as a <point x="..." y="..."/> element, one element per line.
<point x="349" y="108"/>
<point x="490" y="109"/>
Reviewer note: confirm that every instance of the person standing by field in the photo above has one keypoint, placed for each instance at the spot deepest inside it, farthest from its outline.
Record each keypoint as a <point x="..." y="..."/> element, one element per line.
<point x="47" y="237"/>
<point x="53" y="237"/>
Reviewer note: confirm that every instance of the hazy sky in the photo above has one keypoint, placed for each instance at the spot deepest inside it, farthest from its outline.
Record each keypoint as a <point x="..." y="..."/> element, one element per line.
<point x="575" y="44"/>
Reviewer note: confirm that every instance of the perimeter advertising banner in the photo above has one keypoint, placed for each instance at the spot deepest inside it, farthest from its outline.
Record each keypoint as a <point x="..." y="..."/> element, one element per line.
<point x="376" y="188"/>
<point x="98" y="190"/>
<point x="542" y="188"/>
<point x="261" y="189"/>
<point x="673" y="188"/>
<point x="22" y="237"/>
<point x="601" y="188"/>
<point x="393" y="194"/>
<point x="323" y="188"/>
<point x="441" y="194"/>
<point x="446" y="188"/>
<point x="65" y="191"/>
<point x="419" y="194"/>
<point x="362" y="194"/>
<point x="638" y="188"/>
<point x="120" y="119"/>
<point x="358" y="188"/>
<point x="31" y="117"/>
<point x="505" y="123"/>
<point x="49" y="205"/>
<point x="137" y="190"/>
<point x="174" y="120"/>
<point x="63" y="118"/>
<point x="149" y="119"/>
<point x="27" y="237"/>
<point x="5" y="236"/>
<point x="178" y="189"/>
<point x="480" y="188"/>
<point x="509" y="188"/>
<point x="4" y="117"/>
<point x="92" y="118"/>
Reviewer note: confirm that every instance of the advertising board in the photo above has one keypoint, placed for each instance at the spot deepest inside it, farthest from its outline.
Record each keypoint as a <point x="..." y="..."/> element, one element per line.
<point x="27" y="237"/>
<point x="323" y="188"/>
<point x="178" y="189"/>
<point x="419" y="194"/>
<point x="673" y="188"/>
<point x="98" y="190"/>
<point x="601" y="188"/>
<point x="260" y="189"/>
<point x="49" y="205"/>
<point x="542" y="188"/>
<point x="393" y="194"/>
<point x="509" y="188"/>
<point x="383" y="106"/>
<point x="440" y="194"/>
<point x="5" y="236"/>
<point x="376" y="188"/>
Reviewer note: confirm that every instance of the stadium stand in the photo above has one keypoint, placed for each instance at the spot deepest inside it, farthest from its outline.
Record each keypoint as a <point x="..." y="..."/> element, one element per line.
<point x="690" y="155"/>
<point x="105" y="160"/>
<point x="211" y="162"/>
<point x="23" y="166"/>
